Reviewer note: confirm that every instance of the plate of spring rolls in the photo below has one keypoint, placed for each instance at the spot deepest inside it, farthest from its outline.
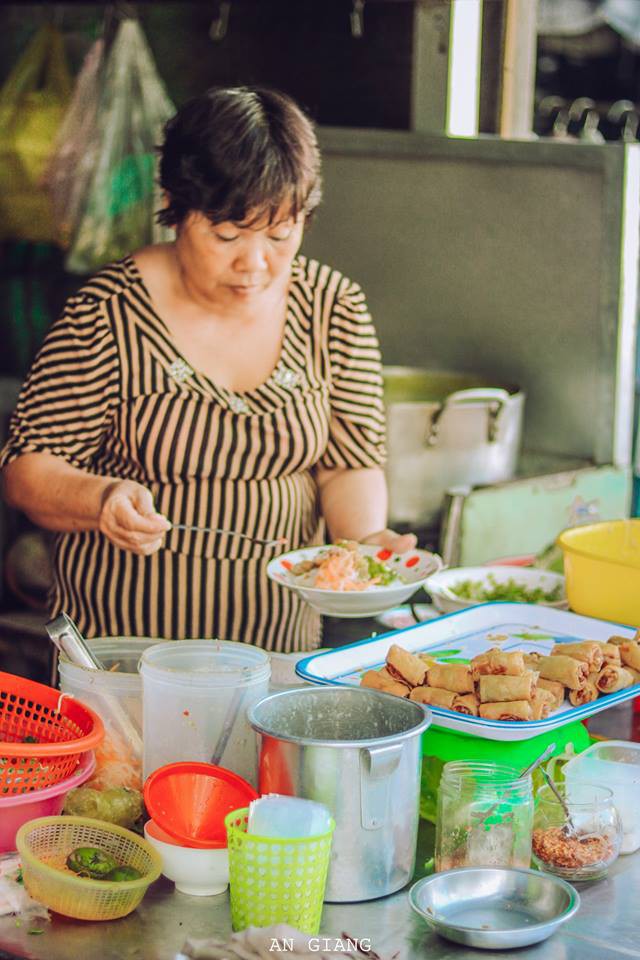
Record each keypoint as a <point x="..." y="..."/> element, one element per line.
<point x="503" y="671"/>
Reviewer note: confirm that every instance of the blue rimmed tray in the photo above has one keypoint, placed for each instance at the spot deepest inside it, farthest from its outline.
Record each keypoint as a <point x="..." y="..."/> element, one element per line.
<point x="462" y="635"/>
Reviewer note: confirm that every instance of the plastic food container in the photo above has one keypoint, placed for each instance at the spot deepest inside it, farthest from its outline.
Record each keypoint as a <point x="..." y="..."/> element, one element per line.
<point x="44" y="846"/>
<point x="113" y="694"/>
<point x="197" y="872"/>
<point x="602" y="570"/>
<point x="614" y="764"/>
<point x="18" y="809"/>
<point x="195" y="700"/>
<point x="587" y="853"/>
<point x="485" y="817"/>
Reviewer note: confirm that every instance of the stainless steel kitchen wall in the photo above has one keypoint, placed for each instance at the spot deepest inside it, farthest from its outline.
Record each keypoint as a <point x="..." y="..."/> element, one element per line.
<point x="517" y="260"/>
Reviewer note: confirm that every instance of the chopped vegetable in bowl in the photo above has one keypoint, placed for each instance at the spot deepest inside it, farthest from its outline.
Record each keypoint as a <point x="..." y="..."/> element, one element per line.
<point x="484" y="591"/>
<point x="342" y="566"/>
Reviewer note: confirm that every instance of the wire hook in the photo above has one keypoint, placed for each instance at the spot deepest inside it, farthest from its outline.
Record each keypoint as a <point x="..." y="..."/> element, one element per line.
<point x="357" y="19"/>
<point x="220" y="23"/>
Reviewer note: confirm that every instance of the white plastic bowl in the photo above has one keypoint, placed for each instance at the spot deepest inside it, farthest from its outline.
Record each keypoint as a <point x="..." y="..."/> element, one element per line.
<point x="413" y="568"/>
<point x="439" y="585"/>
<point x="196" y="871"/>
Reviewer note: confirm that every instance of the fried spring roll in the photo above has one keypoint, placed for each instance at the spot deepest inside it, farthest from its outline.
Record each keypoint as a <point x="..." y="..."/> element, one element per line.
<point x="405" y="666"/>
<point x="375" y="680"/>
<point x="586" y="694"/>
<point x="588" y="651"/>
<point x="451" y="676"/>
<point x="496" y="689"/>
<point x="618" y="641"/>
<point x="634" y="673"/>
<point x="612" y="678"/>
<point x="433" y="696"/>
<point x="610" y="653"/>
<point x="496" y="663"/>
<point x="542" y="703"/>
<point x="514" y="710"/>
<point x="466" y="703"/>
<point x="554" y="688"/>
<point x="566" y="670"/>
<point x="630" y="654"/>
<point x="531" y="660"/>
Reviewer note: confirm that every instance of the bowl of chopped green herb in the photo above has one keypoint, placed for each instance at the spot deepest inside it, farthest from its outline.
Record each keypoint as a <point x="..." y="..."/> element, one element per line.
<point x="461" y="587"/>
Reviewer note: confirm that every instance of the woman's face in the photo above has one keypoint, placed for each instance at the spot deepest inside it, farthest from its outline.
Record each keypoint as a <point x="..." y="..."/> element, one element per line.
<point x="235" y="263"/>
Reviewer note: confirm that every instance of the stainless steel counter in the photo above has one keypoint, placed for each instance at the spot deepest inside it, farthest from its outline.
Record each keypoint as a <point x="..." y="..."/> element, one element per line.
<point x="607" y="925"/>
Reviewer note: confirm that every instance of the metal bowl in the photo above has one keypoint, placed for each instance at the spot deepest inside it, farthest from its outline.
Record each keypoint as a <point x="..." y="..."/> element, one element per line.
<point x="494" y="908"/>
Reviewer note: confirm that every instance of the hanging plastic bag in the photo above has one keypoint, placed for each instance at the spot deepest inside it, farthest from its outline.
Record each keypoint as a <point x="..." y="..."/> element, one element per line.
<point x="32" y="103"/>
<point x="72" y="160"/>
<point x="118" y="212"/>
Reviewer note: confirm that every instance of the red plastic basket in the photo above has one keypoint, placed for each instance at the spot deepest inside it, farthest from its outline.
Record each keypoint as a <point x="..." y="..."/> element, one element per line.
<point x="43" y="734"/>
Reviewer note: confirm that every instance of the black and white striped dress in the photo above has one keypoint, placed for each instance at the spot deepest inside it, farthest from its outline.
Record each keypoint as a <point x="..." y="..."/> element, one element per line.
<point x="110" y="393"/>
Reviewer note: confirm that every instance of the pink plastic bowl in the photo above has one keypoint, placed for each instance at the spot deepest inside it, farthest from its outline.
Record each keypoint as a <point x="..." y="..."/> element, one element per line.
<point x="18" y="809"/>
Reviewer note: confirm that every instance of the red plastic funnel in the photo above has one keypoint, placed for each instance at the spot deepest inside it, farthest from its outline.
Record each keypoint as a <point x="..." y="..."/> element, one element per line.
<point x="190" y="800"/>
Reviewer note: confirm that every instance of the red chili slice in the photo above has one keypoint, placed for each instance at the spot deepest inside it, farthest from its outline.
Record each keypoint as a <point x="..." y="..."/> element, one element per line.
<point x="287" y="564"/>
<point x="384" y="554"/>
<point x="411" y="562"/>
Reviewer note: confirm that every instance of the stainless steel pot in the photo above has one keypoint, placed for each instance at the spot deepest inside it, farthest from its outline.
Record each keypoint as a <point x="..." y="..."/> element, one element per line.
<point x="446" y="430"/>
<point x="358" y="752"/>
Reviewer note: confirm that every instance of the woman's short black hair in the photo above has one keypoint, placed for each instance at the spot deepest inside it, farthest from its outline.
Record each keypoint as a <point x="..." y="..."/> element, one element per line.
<point x="239" y="153"/>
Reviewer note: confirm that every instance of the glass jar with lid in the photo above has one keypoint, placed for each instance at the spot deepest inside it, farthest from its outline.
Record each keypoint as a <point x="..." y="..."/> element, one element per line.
<point x="485" y="817"/>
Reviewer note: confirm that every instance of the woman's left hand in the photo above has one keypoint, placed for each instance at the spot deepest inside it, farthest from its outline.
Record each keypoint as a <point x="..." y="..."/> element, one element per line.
<point x="397" y="542"/>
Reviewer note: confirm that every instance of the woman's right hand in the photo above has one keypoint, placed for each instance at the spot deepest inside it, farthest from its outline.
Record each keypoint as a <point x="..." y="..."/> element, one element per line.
<point x="129" y="520"/>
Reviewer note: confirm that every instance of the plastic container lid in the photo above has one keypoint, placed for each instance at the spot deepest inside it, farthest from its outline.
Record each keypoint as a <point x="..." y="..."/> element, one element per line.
<point x="190" y="800"/>
<point x="205" y="663"/>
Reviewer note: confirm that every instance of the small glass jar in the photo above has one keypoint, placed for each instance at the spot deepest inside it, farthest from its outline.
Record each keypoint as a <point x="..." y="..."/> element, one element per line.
<point x="485" y="817"/>
<point x="583" y="854"/>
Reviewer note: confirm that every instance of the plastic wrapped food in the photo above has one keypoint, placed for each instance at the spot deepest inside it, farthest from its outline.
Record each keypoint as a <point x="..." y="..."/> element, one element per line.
<point x="117" y="765"/>
<point x="119" y="805"/>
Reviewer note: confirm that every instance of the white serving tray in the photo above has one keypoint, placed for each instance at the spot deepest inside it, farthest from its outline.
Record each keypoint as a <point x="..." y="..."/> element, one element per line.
<point x="510" y="626"/>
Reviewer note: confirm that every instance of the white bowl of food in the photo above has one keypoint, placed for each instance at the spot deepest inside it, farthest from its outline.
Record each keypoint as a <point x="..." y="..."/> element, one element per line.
<point x="350" y="579"/>
<point x="198" y="872"/>
<point x="462" y="587"/>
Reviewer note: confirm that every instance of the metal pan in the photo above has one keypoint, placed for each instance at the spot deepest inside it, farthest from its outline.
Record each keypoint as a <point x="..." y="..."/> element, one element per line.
<point x="494" y="908"/>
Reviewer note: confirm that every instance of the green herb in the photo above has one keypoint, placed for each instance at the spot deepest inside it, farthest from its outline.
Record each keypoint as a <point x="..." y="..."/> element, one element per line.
<point x="35" y="932"/>
<point x="19" y="877"/>
<point x="509" y="590"/>
<point x="384" y="574"/>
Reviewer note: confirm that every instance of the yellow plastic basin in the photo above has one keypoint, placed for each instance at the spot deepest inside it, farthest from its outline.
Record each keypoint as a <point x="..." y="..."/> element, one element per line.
<point x="602" y="570"/>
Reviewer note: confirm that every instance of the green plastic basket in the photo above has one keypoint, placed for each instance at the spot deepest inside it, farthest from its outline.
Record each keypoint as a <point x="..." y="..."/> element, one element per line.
<point x="276" y="880"/>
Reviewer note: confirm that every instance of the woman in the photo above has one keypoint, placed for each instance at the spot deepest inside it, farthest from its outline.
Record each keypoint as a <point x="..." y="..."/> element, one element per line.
<point x="220" y="381"/>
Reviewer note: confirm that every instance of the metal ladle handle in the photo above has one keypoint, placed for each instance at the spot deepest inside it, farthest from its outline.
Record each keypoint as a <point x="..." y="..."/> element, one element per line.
<point x="64" y="634"/>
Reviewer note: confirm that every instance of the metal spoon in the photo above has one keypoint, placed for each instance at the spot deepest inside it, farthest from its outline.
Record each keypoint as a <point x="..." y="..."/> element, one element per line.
<point x="280" y="541"/>
<point x="527" y="770"/>
<point x="570" y="824"/>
